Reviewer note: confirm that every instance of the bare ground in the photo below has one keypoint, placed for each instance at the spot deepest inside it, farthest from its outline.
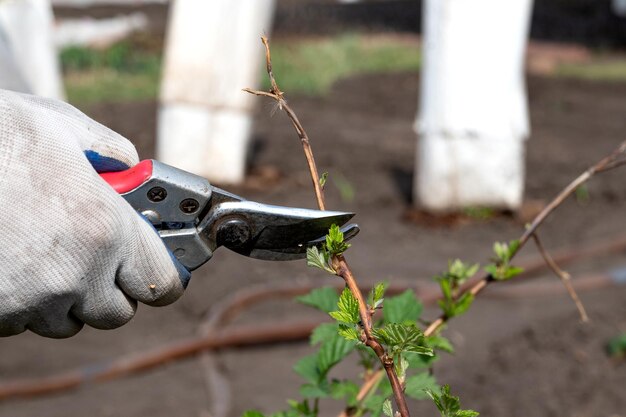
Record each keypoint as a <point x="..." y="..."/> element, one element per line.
<point x="516" y="357"/>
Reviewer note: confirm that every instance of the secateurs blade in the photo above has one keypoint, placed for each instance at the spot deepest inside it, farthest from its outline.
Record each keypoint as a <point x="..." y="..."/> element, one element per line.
<point x="194" y="218"/>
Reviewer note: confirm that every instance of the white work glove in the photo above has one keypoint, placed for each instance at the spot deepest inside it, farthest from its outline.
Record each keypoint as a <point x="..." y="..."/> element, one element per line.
<point x="72" y="250"/>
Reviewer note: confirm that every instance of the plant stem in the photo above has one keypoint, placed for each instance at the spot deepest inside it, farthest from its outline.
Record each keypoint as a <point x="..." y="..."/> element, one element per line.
<point x="564" y="276"/>
<point x="339" y="262"/>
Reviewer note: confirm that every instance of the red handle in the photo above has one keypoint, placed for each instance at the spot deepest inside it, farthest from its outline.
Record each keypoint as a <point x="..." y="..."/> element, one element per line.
<point x="125" y="181"/>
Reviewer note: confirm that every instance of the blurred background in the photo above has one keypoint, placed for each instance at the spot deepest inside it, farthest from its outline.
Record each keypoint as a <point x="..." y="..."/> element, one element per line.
<point x="169" y="78"/>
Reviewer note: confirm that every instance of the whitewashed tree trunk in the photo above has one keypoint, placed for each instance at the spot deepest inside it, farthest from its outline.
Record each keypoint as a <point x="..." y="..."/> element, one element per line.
<point x="212" y="52"/>
<point x="27" y="27"/>
<point x="473" y="118"/>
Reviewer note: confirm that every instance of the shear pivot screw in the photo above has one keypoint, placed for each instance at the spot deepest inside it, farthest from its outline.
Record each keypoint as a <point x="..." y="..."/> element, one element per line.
<point x="233" y="233"/>
<point x="189" y="205"/>
<point x="157" y="194"/>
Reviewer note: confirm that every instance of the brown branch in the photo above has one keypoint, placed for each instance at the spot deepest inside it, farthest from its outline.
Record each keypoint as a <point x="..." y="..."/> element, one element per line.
<point x="339" y="263"/>
<point x="564" y="276"/>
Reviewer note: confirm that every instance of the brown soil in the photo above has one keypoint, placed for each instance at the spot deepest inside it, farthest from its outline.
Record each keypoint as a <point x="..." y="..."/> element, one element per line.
<point x="515" y="357"/>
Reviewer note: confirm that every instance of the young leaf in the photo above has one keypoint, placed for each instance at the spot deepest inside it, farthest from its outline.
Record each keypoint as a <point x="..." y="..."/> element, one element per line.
<point x="332" y="352"/>
<point x="374" y="404"/>
<point x="463" y="303"/>
<point x="440" y="343"/>
<point x="387" y="408"/>
<point x="617" y="346"/>
<point x="314" y="391"/>
<point x="401" y="364"/>
<point x="402" y="338"/>
<point x="403" y="308"/>
<point x="376" y="295"/>
<point x="348" y="308"/>
<point x="349" y="333"/>
<point x="347" y="390"/>
<point x="307" y="369"/>
<point x="343" y="317"/>
<point x="323" y="332"/>
<point x="324" y="299"/>
<point x="416" y="385"/>
<point x="448" y="405"/>
<point x="459" y="272"/>
<point x="323" y="179"/>
<point x="335" y="244"/>
<point x="317" y="259"/>
<point x="252" y="413"/>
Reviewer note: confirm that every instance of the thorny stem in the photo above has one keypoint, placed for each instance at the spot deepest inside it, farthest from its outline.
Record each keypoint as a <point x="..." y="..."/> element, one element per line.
<point x="564" y="276"/>
<point x="339" y="262"/>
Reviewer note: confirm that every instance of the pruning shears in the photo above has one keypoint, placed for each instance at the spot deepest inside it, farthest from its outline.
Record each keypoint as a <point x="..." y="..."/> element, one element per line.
<point x="195" y="218"/>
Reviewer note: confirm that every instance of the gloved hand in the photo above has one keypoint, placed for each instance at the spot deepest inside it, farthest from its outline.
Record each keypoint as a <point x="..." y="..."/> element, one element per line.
<point x="72" y="250"/>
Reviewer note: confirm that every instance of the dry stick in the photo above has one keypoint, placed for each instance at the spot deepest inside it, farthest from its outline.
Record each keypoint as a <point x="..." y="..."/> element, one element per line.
<point x="339" y="262"/>
<point x="564" y="276"/>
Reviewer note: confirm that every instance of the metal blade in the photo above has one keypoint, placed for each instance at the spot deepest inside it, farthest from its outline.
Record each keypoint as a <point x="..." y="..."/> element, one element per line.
<point x="268" y="232"/>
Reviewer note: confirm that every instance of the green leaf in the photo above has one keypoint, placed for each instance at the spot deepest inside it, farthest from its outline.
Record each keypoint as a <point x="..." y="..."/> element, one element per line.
<point x="307" y="368"/>
<point x="617" y="346"/>
<point x="314" y="391"/>
<point x="349" y="333"/>
<point x="465" y="413"/>
<point x="348" y="308"/>
<point x="440" y="343"/>
<point x="252" y="413"/>
<point x="492" y="269"/>
<point x="346" y="390"/>
<point x="376" y="295"/>
<point x="459" y="272"/>
<point x="332" y="352"/>
<point x="501" y="251"/>
<point x="335" y="244"/>
<point x="343" y="317"/>
<point x="416" y="385"/>
<point x="512" y="271"/>
<point x="323" y="332"/>
<point x="419" y="361"/>
<point x="323" y="179"/>
<point x="374" y="404"/>
<point x="402" y="338"/>
<point x="387" y="408"/>
<point x="401" y="365"/>
<point x="403" y="308"/>
<point x="324" y="299"/>
<point x="463" y="303"/>
<point x="317" y="259"/>
<point x="513" y="247"/>
<point x="448" y="405"/>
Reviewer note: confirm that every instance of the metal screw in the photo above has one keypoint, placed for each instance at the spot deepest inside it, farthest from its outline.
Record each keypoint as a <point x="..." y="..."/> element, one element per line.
<point x="233" y="233"/>
<point x="189" y="205"/>
<point x="157" y="194"/>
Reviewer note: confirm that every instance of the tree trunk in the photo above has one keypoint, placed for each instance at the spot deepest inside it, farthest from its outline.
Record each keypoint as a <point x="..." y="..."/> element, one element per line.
<point x="473" y="118"/>
<point x="212" y="52"/>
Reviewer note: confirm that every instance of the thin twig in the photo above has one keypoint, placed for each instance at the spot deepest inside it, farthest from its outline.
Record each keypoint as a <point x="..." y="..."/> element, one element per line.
<point x="339" y="262"/>
<point x="564" y="276"/>
<point x="613" y="160"/>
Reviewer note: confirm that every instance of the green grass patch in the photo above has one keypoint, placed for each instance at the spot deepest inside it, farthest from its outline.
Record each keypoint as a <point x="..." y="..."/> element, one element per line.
<point x="122" y="72"/>
<point x="125" y="71"/>
<point x="597" y="70"/>
<point x="313" y="66"/>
